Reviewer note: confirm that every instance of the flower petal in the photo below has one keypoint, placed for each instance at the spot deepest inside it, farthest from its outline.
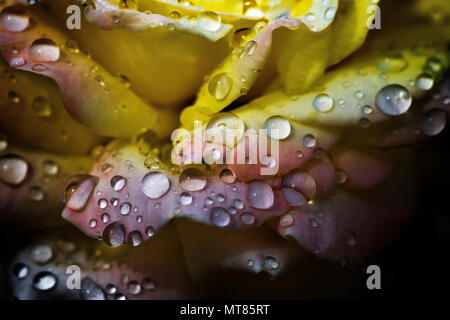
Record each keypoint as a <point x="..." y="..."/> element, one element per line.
<point x="107" y="106"/>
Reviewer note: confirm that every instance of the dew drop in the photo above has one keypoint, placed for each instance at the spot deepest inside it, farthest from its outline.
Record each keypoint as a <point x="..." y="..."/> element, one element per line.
<point x="44" y="281"/>
<point x="90" y="290"/>
<point x="14" y="22"/>
<point x="36" y="194"/>
<point x="247" y="218"/>
<point x="78" y="191"/>
<point x="92" y="223"/>
<point x="424" y="81"/>
<point x="13" y="169"/>
<point x="118" y="183"/>
<point x="155" y="184"/>
<point x="134" y="288"/>
<point x="192" y="179"/>
<point x="20" y="271"/>
<point x="309" y="141"/>
<point x="209" y="21"/>
<point x="293" y="197"/>
<point x="227" y="176"/>
<point x="17" y="62"/>
<point x="114" y="234"/>
<point x="270" y="264"/>
<point x="185" y="199"/>
<point x="286" y="221"/>
<point x="434" y="122"/>
<point x="393" y="62"/>
<point x="41" y="254"/>
<point x="220" y="86"/>
<point x="102" y="203"/>
<point x="277" y="127"/>
<point x="105" y="218"/>
<point x="50" y="167"/>
<point x="134" y="238"/>
<point x="44" y="50"/>
<point x="220" y="217"/>
<point x="341" y="176"/>
<point x="150" y="231"/>
<point x="125" y="208"/>
<point x="393" y="100"/>
<point x="323" y="103"/>
<point x="260" y="195"/>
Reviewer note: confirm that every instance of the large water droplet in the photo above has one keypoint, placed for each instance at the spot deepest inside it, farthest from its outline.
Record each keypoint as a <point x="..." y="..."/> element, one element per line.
<point x="14" y="22"/>
<point x="260" y="195"/>
<point x="91" y="290"/>
<point x="433" y="122"/>
<point x="13" y="169"/>
<point x="77" y="193"/>
<point x="192" y="179"/>
<point x="114" y="234"/>
<point x="220" y="86"/>
<point x="44" y="281"/>
<point x="277" y="127"/>
<point x="209" y="21"/>
<point x="44" y="50"/>
<point x="323" y="103"/>
<point x="118" y="183"/>
<point x="220" y="217"/>
<point x="155" y="184"/>
<point x="134" y="238"/>
<point x="393" y="100"/>
<point x="424" y="81"/>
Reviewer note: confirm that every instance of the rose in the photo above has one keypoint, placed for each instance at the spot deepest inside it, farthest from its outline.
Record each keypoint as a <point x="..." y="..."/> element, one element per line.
<point x="133" y="67"/>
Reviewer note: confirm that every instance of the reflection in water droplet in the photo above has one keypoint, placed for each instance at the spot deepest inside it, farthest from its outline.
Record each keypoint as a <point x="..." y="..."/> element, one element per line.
<point x="150" y="231"/>
<point x="341" y="176"/>
<point x="323" y="103"/>
<point x="260" y="195"/>
<point x="44" y="50"/>
<point x="13" y="169"/>
<point x="192" y="180"/>
<point x="220" y="217"/>
<point x="148" y="284"/>
<point x="155" y="184"/>
<point x="393" y="100"/>
<point x="44" y="281"/>
<point x="114" y="234"/>
<point x="91" y="290"/>
<point x="277" y="127"/>
<point x="434" y="122"/>
<point x="220" y="86"/>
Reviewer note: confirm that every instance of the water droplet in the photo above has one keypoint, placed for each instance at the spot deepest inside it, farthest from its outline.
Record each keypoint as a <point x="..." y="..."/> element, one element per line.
<point x="313" y="223"/>
<point x="434" y="65"/>
<point x="3" y="143"/>
<point x="185" y="199"/>
<point x="125" y="208"/>
<point x="17" y="62"/>
<point x="105" y="218"/>
<point x="134" y="238"/>
<point x="319" y="153"/>
<point x="44" y="281"/>
<point x="227" y="176"/>
<point x="392" y="62"/>
<point x="41" y="107"/>
<point x="286" y="221"/>
<point x="134" y="288"/>
<point x="293" y="197"/>
<point x="434" y="122"/>
<point x="247" y="218"/>
<point x="155" y="184"/>
<point x="238" y="204"/>
<point x="120" y="296"/>
<point x="364" y="123"/>
<point x="359" y="94"/>
<point x="41" y="254"/>
<point x="44" y="50"/>
<point x="91" y="290"/>
<point x="150" y="231"/>
<point x="209" y="21"/>
<point x="192" y="179"/>
<point x="92" y="223"/>
<point x="14" y="22"/>
<point x="118" y="183"/>
<point x="393" y="100"/>
<point x="13" y="169"/>
<point x="102" y="203"/>
<point x="330" y="13"/>
<point x="248" y="50"/>
<point x="20" y="271"/>
<point x="220" y="86"/>
<point x="36" y="194"/>
<point x="111" y="289"/>
<point x="310" y="17"/>
<point x="367" y="110"/>
<point x="50" y="167"/>
<point x="323" y="103"/>
<point x="277" y="127"/>
<point x="220" y="217"/>
<point x="260" y="195"/>
<point x="424" y="81"/>
<point x="270" y="264"/>
<point x="209" y="201"/>
<point x="225" y="126"/>
<point x="114" y="234"/>
<point x="309" y="141"/>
